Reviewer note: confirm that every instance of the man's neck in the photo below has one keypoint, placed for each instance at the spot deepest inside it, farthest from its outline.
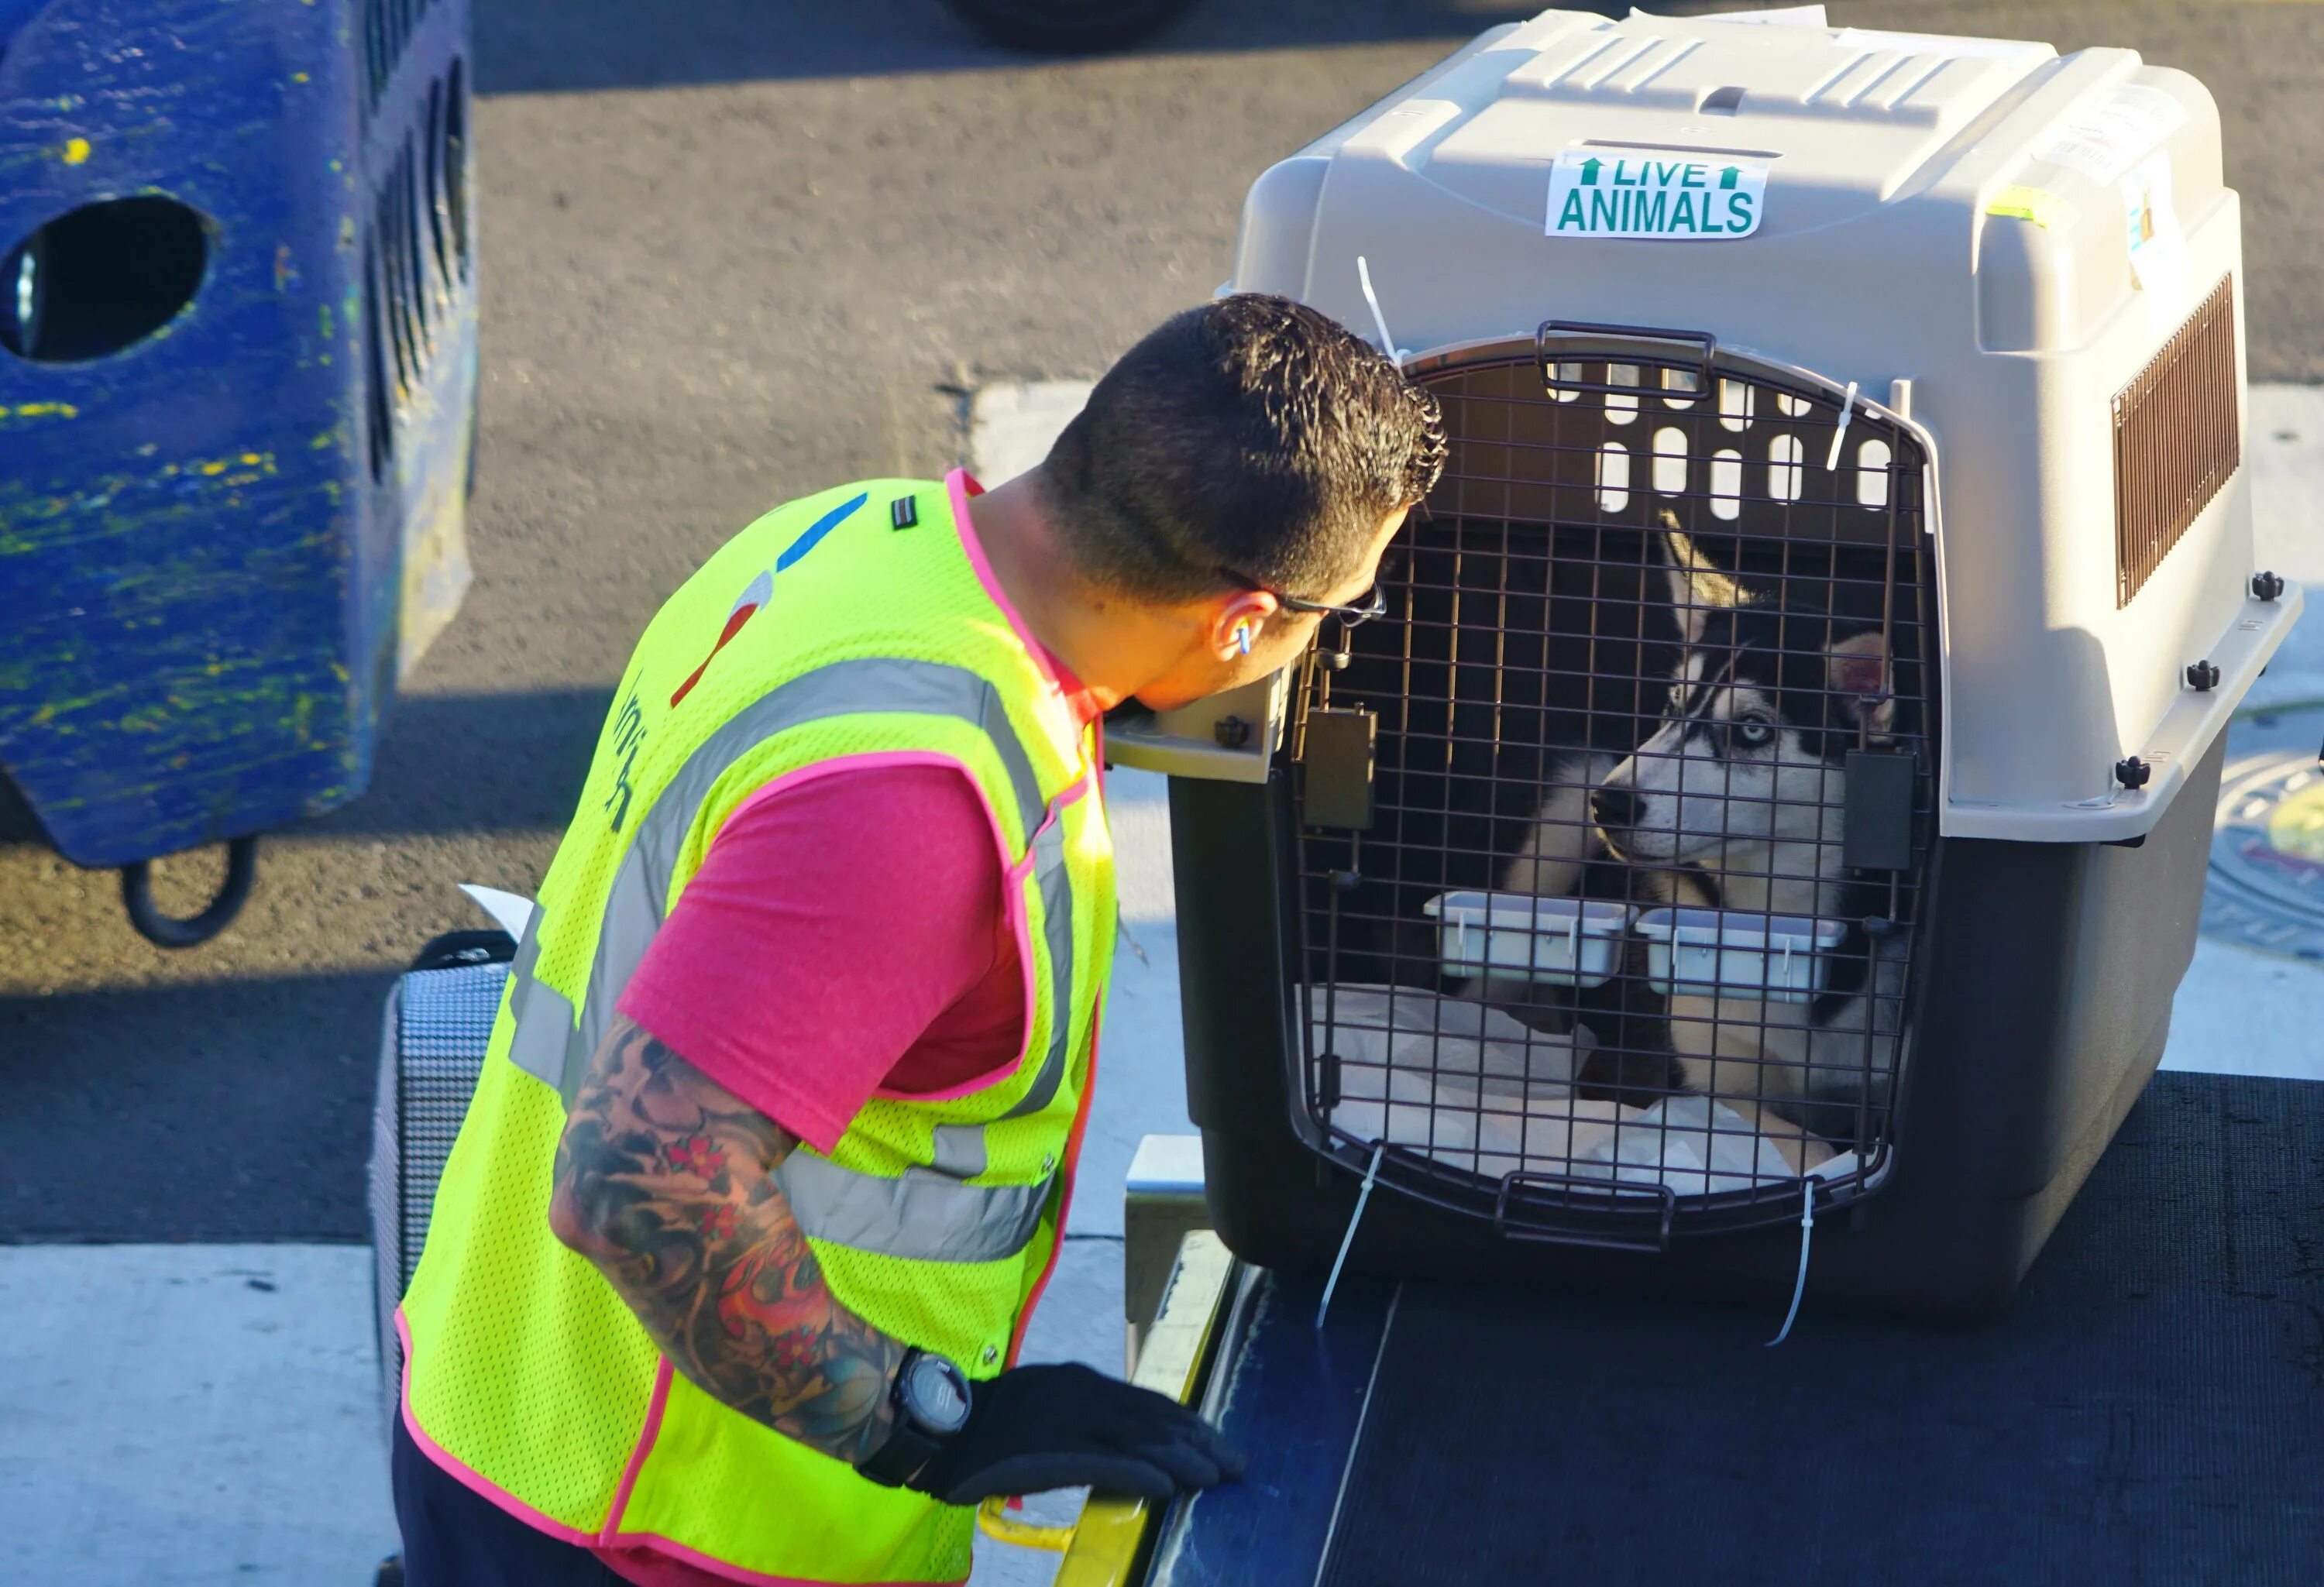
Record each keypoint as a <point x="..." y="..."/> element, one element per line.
<point x="1063" y="614"/>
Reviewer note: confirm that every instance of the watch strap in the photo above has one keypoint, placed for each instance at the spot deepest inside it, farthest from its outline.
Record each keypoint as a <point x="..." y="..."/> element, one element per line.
<point x="912" y="1443"/>
<point x="899" y="1460"/>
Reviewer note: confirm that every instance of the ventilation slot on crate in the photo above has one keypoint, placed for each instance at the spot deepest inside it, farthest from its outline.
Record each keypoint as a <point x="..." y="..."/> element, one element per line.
<point x="2176" y="439"/>
<point x="1614" y="948"/>
<point x="387" y="29"/>
<point x="416" y="253"/>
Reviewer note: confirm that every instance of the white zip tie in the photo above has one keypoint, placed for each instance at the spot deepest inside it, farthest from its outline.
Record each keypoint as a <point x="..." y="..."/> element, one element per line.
<point x="1799" y="1286"/>
<point x="1349" y="1239"/>
<point x="1847" y="412"/>
<point x="1380" y="320"/>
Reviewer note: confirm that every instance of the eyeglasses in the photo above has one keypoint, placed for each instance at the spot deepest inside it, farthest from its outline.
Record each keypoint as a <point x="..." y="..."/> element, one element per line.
<point x="1373" y="604"/>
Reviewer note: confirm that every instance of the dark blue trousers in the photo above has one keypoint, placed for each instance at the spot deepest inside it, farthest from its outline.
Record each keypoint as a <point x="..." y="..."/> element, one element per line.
<point x="454" y="1538"/>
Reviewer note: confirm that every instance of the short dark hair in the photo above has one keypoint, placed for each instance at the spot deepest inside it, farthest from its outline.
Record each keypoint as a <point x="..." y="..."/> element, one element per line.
<point x="1251" y="434"/>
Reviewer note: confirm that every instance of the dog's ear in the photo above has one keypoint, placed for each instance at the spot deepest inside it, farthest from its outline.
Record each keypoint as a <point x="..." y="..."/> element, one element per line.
<point x="1696" y="587"/>
<point x="1856" y="670"/>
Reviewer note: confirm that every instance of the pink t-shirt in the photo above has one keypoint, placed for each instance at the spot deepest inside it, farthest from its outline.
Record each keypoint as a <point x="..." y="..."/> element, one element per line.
<point x="845" y="934"/>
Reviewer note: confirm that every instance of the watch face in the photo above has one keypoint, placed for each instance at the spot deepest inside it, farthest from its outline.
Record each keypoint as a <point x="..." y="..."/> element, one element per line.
<point x="937" y="1395"/>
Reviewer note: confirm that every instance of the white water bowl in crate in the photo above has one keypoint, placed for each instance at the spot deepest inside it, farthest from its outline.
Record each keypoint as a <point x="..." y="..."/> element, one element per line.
<point x="1516" y="937"/>
<point x="1734" y="953"/>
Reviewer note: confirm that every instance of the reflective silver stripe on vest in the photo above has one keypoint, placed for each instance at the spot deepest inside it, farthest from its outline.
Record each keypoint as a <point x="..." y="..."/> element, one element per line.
<point x="883" y="685"/>
<point x="543" y="1015"/>
<point x="928" y="1214"/>
<point x="921" y="1216"/>
<point x="1057" y="930"/>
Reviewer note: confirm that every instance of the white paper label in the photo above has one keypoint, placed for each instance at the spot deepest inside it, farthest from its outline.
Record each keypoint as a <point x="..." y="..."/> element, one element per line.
<point x="2107" y="137"/>
<point x="2159" y="260"/>
<point x="1665" y="194"/>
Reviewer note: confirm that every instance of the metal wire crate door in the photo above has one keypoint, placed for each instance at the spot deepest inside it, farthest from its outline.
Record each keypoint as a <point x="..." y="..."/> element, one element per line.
<point x="1610" y="838"/>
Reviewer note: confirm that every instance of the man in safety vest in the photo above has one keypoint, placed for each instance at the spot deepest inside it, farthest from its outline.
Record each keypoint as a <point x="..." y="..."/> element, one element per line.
<point x="770" y="1155"/>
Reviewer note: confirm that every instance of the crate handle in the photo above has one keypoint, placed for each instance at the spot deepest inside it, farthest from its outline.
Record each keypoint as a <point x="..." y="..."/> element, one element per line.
<point x="1666" y="1198"/>
<point x="1584" y="336"/>
<point x="169" y="931"/>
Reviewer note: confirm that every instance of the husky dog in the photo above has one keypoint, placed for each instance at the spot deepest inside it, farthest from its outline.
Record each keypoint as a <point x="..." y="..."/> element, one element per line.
<point x="1734" y="803"/>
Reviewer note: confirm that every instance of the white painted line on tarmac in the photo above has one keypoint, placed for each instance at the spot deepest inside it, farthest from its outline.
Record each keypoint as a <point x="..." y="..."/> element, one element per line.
<point x="181" y="1416"/>
<point x="2240" y="1012"/>
<point x="1010" y="424"/>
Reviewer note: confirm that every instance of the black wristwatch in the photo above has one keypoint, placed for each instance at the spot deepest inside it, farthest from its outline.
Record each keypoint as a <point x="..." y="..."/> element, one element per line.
<point x="932" y="1400"/>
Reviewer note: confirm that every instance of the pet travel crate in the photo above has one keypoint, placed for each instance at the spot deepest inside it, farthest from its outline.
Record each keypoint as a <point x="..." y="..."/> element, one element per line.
<point x="238" y="377"/>
<point x="1798" y="711"/>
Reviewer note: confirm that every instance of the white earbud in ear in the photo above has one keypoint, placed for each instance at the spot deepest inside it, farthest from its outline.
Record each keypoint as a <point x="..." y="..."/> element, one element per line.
<point x="1242" y="637"/>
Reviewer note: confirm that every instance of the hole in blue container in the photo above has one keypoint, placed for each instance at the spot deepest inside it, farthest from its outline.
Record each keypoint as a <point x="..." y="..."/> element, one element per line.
<point x="100" y="279"/>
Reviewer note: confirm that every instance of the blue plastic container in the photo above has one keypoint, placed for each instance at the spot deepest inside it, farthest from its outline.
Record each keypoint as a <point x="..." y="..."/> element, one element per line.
<point x="238" y="382"/>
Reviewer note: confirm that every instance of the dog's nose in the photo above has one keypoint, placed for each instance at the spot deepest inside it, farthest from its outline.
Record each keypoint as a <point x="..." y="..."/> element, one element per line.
<point x="1614" y="806"/>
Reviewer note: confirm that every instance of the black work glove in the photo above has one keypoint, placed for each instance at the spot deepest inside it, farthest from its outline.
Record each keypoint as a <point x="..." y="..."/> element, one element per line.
<point x="1035" y="1428"/>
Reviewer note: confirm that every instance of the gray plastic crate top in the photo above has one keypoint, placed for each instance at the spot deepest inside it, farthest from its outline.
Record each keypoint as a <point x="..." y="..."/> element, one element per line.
<point x="2013" y="253"/>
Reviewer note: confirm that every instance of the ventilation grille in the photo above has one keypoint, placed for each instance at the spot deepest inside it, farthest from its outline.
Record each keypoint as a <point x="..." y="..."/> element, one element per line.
<point x="416" y="255"/>
<point x="2176" y="440"/>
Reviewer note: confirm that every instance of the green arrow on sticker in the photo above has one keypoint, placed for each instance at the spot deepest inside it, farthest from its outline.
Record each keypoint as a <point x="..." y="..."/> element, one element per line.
<point x="1727" y="178"/>
<point x="1589" y="169"/>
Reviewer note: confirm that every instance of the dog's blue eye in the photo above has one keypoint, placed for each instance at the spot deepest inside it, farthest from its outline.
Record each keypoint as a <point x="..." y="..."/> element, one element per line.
<point x="1752" y="731"/>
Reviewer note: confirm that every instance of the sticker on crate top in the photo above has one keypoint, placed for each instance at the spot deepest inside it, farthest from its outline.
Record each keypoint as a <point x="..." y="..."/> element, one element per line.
<point x="2158" y="243"/>
<point x="1673" y="194"/>
<point x="2107" y="136"/>
<point x="2038" y="205"/>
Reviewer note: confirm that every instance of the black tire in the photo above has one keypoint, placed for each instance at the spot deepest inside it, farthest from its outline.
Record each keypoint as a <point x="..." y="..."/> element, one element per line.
<point x="1067" y="27"/>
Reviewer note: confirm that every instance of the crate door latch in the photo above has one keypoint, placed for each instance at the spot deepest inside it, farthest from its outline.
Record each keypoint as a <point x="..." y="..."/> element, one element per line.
<point x="1336" y="764"/>
<point x="1876" y="820"/>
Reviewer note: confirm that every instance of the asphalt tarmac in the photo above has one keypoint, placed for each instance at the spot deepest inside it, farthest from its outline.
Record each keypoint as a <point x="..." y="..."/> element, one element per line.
<point x="733" y="253"/>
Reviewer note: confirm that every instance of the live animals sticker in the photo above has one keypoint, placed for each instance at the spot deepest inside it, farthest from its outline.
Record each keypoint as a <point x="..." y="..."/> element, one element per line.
<point x="1674" y="195"/>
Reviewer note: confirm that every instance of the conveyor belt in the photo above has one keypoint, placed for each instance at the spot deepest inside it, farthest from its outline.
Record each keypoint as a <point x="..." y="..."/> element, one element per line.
<point x="2150" y="1410"/>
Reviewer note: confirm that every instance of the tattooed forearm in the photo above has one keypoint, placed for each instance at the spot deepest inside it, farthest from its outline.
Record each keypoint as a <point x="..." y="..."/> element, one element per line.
<point x="665" y="1180"/>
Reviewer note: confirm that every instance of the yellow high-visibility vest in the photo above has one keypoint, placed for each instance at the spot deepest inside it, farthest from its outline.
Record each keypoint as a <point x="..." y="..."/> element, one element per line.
<point x="836" y="629"/>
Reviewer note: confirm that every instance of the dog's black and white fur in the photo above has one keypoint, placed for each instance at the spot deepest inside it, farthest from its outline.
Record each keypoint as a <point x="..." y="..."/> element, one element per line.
<point x="1734" y="802"/>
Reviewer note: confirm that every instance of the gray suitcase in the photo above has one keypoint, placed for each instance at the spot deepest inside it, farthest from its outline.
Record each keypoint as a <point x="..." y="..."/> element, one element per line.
<point x="438" y="1023"/>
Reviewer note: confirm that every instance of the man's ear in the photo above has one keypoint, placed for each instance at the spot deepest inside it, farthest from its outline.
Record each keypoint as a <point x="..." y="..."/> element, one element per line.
<point x="1244" y="610"/>
<point x="1696" y="587"/>
<point x="1856" y="670"/>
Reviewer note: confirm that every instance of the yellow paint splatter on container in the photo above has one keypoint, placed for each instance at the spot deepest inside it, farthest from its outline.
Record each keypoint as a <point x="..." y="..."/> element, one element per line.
<point x="43" y="411"/>
<point x="76" y="150"/>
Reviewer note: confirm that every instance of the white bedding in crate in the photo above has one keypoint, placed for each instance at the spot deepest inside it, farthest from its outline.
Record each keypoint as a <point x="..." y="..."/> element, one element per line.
<point x="1470" y="1087"/>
